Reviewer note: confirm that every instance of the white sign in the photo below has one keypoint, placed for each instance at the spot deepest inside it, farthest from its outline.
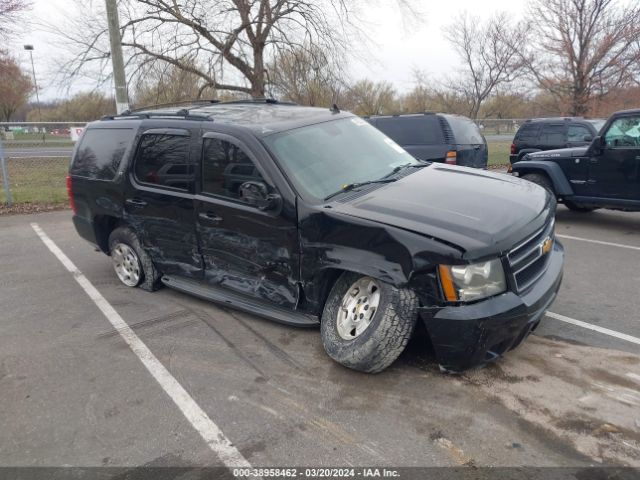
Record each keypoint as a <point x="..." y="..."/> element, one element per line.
<point x="76" y="133"/>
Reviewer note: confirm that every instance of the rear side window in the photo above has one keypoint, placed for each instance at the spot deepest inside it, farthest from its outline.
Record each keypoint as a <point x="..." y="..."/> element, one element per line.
<point x="225" y="167"/>
<point x="465" y="131"/>
<point x="100" y="153"/>
<point x="577" y="133"/>
<point x="414" y="130"/>
<point x="163" y="160"/>
<point x="553" y="135"/>
<point x="528" y="133"/>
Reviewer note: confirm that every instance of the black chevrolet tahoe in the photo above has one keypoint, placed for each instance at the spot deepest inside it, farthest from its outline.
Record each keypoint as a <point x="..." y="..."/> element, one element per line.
<point x="309" y="217"/>
<point x="603" y="174"/>
<point x="436" y="137"/>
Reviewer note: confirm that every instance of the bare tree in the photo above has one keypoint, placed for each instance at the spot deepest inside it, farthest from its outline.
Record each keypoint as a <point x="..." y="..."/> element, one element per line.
<point x="490" y="54"/>
<point x="10" y="11"/>
<point x="584" y="49"/>
<point x="231" y="44"/>
<point x="15" y="87"/>
<point x="307" y="76"/>
<point x="166" y="83"/>
<point x="82" y="107"/>
<point x="368" y="98"/>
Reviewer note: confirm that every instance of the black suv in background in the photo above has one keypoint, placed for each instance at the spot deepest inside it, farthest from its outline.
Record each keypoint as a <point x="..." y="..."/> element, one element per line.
<point x="313" y="217"/>
<point x="436" y="137"/>
<point x="541" y="134"/>
<point x="605" y="174"/>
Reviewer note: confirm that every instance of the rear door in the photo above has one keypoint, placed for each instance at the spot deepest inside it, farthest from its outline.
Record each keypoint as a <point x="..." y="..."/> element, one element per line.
<point x="470" y="144"/>
<point x="159" y="200"/>
<point x="420" y="135"/>
<point x="244" y="249"/>
<point x="615" y="172"/>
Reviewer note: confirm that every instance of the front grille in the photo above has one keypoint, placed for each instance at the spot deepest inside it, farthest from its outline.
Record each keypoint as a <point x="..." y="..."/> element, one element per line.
<point x="528" y="261"/>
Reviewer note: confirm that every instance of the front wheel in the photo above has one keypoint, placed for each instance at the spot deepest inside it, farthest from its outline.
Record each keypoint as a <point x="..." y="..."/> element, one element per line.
<point x="366" y="323"/>
<point x="541" y="180"/>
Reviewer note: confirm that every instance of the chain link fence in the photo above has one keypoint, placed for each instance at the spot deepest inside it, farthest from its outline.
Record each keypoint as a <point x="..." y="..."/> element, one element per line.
<point x="34" y="158"/>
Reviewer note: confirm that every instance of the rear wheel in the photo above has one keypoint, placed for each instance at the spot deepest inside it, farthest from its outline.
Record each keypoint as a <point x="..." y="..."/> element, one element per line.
<point x="542" y="180"/>
<point x="366" y="323"/>
<point x="131" y="263"/>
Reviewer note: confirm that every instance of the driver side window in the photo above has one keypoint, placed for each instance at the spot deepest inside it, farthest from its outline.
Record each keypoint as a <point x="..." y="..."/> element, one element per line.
<point x="225" y="167"/>
<point x="623" y="132"/>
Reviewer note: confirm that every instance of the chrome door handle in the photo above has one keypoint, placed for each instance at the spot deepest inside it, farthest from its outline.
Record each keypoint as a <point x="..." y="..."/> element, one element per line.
<point x="210" y="217"/>
<point x="136" y="202"/>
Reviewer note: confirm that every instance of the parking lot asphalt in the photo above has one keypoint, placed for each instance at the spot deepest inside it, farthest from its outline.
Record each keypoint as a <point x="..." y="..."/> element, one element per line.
<point x="74" y="392"/>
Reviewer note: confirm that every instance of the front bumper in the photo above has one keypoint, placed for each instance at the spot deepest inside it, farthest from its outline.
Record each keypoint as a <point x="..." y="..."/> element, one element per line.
<point x="469" y="335"/>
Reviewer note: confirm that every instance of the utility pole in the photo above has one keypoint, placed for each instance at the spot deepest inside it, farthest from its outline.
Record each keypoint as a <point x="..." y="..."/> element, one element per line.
<point x="119" y="79"/>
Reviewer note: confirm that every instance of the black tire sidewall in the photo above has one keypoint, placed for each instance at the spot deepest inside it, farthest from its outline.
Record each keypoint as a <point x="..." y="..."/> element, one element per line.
<point x="363" y="352"/>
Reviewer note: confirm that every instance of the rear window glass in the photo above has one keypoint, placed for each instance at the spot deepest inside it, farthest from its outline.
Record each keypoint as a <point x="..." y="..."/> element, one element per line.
<point x="100" y="153"/>
<point x="163" y="160"/>
<point x="528" y="133"/>
<point x="418" y="130"/>
<point x="465" y="131"/>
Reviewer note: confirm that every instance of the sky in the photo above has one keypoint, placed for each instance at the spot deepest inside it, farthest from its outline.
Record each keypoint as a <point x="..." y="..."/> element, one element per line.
<point x="399" y="46"/>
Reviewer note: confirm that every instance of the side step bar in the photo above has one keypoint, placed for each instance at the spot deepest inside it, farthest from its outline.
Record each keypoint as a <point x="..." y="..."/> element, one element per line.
<point x="241" y="302"/>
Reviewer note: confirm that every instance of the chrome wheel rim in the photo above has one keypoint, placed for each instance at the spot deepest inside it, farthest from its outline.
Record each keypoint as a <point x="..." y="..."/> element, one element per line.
<point x="126" y="264"/>
<point x="358" y="307"/>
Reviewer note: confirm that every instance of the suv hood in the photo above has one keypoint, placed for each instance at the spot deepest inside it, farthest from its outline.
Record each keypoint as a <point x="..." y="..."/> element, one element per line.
<point x="478" y="212"/>
<point x="559" y="153"/>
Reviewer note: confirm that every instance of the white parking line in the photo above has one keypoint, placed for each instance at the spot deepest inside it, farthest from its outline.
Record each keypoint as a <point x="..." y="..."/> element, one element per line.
<point x="595" y="328"/>
<point x="209" y="431"/>
<point x="599" y="242"/>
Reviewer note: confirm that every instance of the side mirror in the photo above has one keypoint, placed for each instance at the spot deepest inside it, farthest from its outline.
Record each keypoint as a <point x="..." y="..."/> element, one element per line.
<point x="597" y="145"/>
<point x="587" y="138"/>
<point x="257" y="194"/>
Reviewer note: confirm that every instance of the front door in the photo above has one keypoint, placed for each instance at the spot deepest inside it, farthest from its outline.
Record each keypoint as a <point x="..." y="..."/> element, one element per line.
<point x="615" y="172"/>
<point x="159" y="200"/>
<point x="245" y="249"/>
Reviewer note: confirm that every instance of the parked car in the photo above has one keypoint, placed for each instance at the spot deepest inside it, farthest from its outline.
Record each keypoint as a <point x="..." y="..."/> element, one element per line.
<point x="334" y="225"/>
<point x="541" y="134"/>
<point x="605" y="174"/>
<point x="436" y="137"/>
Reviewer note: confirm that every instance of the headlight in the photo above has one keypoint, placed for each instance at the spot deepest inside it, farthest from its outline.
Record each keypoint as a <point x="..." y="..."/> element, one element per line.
<point x="466" y="283"/>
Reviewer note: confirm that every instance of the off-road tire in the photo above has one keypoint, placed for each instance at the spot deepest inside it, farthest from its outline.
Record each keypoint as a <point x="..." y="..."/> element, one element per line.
<point x="577" y="208"/>
<point x="386" y="336"/>
<point x="541" y="180"/>
<point x="150" y="280"/>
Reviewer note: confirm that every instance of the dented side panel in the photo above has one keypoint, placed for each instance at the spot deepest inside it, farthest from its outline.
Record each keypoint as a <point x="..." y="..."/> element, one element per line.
<point x="332" y="242"/>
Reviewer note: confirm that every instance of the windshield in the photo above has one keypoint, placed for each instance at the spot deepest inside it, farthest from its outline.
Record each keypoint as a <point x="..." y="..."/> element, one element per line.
<point x="321" y="159"/>
<point x="597" y="123"/>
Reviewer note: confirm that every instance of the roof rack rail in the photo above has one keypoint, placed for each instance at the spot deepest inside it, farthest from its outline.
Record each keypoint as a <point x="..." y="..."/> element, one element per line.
<point x="175" y="104"/>
<point x="270" y="101"/>
<point x="184" y="114"/>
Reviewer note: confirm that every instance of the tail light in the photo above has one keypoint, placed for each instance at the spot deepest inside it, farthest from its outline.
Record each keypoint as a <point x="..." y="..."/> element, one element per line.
<point x="513" y="149"/>
<point x="72" y="201"/>
<point x="451" y="158"/>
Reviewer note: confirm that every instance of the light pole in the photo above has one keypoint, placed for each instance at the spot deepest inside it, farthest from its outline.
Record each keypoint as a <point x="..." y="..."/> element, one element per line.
<point x="29" y="48"/>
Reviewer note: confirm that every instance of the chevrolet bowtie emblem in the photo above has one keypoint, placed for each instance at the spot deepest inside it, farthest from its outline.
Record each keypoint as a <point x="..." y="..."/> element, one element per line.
<point x="546" y="246"/>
